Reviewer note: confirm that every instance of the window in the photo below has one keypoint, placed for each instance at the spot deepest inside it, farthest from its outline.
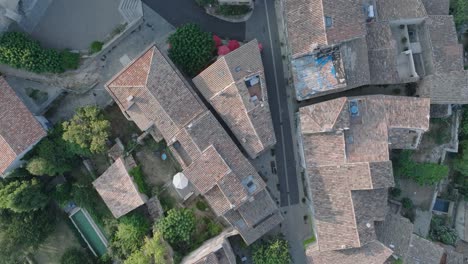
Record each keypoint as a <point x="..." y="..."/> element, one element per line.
<point x="328" y="22"/>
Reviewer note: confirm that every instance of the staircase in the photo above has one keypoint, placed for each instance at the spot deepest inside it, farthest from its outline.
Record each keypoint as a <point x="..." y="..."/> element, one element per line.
<point x="131" y="10"/>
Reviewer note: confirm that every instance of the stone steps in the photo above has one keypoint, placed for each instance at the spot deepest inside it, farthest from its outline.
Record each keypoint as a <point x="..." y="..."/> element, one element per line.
<point x="131" y="10"/>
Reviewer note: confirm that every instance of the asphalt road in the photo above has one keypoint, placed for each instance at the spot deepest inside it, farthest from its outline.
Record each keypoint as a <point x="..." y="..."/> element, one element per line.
<point x="179" y="12"/>
<point x="263" y="26"/>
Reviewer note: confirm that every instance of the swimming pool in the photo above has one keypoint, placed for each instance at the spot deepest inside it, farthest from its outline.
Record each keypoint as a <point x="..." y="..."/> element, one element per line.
<point x="89" y="231"/>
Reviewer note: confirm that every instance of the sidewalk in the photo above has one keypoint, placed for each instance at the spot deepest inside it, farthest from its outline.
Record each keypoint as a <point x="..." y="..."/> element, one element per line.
<point x="153" y="30"/>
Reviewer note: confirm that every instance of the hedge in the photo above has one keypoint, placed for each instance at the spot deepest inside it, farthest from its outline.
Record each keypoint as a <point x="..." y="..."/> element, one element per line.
<point x="20" y="51"/>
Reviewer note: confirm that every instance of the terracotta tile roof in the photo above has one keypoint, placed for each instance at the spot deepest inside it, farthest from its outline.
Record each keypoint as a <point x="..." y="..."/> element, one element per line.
<point x="447" y="52"/>
<point x="388" y="10"/>
<point x="437" y="7"/>
<point x="322" y="117"/>
<point x="371" y="253"/>
<point x="19" y="130"/>
<point x="445" y="88"/>
<point x="305" y="25"/>
<point x="206" y="153"/>
<point x="223" y="84"/>
<point x="423" y="251"/>
<point x="216" y="250"/>
<point x="206" y="170"/>
<point x="348" y="166"/>
<point x="117" y="188"/>
<point x="395" y="232"/>
<point x="152" y="92"/>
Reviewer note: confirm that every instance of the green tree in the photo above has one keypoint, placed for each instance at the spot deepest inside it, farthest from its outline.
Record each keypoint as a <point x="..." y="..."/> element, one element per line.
<point x="138" y="257"/>
<point x="191" y="48"/>
<point x="275" y="251"/>
<point x="155" y="250"/>
<point x="440" y="232"/>
<point x="130" y="234"/>
<point x="88" y="129"/>
<point x="22" y="196"/>
<point x="459" y="11"/>
<point x="76" y="256"/>
<point x="23" y="232"/>
<point x="422" y="173"/>
<point x="177" y="227"/>
<point x="53" y="155"/>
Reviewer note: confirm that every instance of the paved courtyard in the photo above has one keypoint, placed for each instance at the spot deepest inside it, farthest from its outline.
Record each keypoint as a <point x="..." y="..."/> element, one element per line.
<point x="81" y="22"/>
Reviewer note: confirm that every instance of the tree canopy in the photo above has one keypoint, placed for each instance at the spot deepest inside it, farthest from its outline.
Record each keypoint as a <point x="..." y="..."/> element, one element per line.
<point x="155" y="250"/>
<point x="191" y="48"/>
<point x="76" y="256"/>
<point x="22" y="195"/>
<point x="53" y="155"/>
<point x="275" y="251"/>
<point x="178" y="226"/>
<point x="422" y="173"/>
<point x="21" y="231"/>
<point x="130" y="234"/>
<point x="88" y="129"/>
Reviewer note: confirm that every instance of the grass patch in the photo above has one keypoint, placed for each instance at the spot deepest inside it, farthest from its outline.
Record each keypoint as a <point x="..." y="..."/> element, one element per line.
<point x="69" y="60"/>
<point x="311" y="239"/>
<point x="139" y="179"/>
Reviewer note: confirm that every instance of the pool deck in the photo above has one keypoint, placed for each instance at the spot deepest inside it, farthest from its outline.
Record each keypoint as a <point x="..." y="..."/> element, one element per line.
<point x="95" y="227"/>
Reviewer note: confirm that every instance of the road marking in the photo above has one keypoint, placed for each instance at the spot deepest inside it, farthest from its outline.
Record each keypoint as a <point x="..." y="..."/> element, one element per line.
<point x="279" y="102"/>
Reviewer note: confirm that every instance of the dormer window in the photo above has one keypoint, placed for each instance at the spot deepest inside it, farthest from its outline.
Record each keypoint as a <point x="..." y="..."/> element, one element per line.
<point x="328" y="22"/>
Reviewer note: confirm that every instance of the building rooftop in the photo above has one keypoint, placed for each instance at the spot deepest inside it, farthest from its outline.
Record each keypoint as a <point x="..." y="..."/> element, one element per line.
<point x="371" y="253"/>
<point x="346" y="155"/>
<point x="368" y="43"/>
<point x="19" y="129"/>
<point x="154" y="95"/>
<point x="214" y="251"/>
<point x="235" y="86"/>
<point x="117" y="189"/>
<point x="208" y="156"/>
<point x="396" y="232"/>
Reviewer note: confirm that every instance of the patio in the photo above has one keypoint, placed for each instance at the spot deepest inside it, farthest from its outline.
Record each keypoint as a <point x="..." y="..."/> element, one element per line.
<point x="81" y="22"/>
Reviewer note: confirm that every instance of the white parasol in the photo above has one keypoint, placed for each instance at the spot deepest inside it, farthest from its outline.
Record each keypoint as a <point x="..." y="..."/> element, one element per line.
<point x="180" y="181"/>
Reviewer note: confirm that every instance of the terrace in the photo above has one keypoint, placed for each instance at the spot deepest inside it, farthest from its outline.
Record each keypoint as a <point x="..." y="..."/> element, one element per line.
<point x="318" y="72"/>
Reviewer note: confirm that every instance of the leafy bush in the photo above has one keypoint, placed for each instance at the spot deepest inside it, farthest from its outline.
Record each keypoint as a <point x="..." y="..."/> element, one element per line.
<point x="96" y="46"/>
<point x="53" y="155"/>
<point x="275" y="251"/>
<point x="62" y="194"/>
<point x="422" y="173"/>
<point x="395" y="192"/>
<point x="191" y="48"/>
<point x="440" y="232"/>
<point x="459" y="10"/>
<point x="177" y="227"/>
<point x="155" y="250"/>
<point x="20" y="51"/>
<point x="88" y="129"/>
<point x="139" y="179"/>
<point x="201" y="205"/>
<point x="407" y="203"/>
<point x="130" y="234"/>
<point x="76" y="256"/>
<point x="233" y="10"/>
<point x="204" y="3"/>
<point x="69" y="60"/>
<point x="22" y="196"/>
